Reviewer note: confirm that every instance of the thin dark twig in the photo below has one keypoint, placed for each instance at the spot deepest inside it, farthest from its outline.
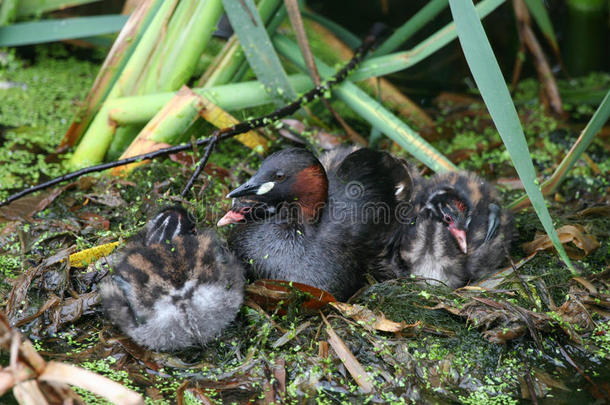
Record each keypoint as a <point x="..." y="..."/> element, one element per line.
<point x="201" y="165"/>
<point x="223" y="133"/>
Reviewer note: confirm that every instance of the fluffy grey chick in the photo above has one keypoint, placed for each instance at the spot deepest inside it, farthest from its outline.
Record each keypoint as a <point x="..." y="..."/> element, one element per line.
<point x="173" y="287"/>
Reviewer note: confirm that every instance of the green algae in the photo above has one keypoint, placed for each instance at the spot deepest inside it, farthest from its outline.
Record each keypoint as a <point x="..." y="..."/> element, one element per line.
<point x="35" y="113"/>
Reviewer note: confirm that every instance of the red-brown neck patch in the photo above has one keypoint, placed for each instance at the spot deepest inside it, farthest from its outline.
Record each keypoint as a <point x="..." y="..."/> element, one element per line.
<point x="311" y="189"/>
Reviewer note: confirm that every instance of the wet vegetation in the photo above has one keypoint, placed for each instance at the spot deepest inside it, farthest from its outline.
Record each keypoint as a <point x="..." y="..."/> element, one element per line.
<point x="534" y="333"/>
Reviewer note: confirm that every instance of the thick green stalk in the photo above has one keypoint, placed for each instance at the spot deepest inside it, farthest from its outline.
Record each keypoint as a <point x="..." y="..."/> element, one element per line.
<point x="373" y="112"/>
<point x="122" y="137"/>
<point x="93" y="145"/>
<point x="225" y="65"/>
<point x="412" y="26"/>
<point x="126" y="83"/>
<point x="234" y="96"/>
<point x="140" y="109"/>
<point x="147" y="82"/>
<point x="115" y="61"/>
<point x="189" y="45"/>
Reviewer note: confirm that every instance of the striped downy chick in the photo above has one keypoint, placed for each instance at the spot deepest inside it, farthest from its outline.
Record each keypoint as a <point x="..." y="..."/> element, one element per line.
<point x="458" y="232"/>
<point x="172" y="286"/>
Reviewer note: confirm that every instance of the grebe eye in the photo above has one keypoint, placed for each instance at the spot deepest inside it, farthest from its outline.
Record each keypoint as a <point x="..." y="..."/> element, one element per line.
<point x="280" y="176"/>
<point x="447" y="218"/>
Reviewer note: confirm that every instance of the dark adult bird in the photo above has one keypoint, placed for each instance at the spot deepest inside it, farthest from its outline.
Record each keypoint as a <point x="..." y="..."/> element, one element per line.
<point x="457" y="233"/>
<point x="173" y="286"/>
<point x="319" y="222"/>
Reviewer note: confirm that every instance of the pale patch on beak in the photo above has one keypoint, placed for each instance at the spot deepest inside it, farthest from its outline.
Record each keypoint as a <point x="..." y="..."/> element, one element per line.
<point x="231" y="217"/>
<point x="265" y="188"/>
<point x="460" y="237"/>
<point x="399" y="189"/>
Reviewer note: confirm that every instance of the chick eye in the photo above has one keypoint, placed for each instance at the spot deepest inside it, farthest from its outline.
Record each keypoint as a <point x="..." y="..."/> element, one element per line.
<point x="280" y="176"/>
<point x="447" y="219"/>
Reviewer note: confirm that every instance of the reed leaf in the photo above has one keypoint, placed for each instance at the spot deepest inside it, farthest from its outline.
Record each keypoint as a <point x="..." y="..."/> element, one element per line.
<point x="342" y="33"/>
<point x="491" y="84"/>
<point x="256" y="44"/>
<point x="538" y="11"/>
<point x="38" y="32"/>
<point x="36" y="7"/>
<point x="584" y="140"/>
<point x="372" y="111"/>
<point x="183" y="52"/>
<point x="391" y="63"/>
<point x="412" y="26"/>
<point x="232" y="56"/>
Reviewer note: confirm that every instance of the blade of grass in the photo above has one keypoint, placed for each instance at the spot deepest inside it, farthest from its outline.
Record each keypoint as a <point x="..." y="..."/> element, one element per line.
<point x="412" y="26"/>
<point x="387" y="64"/>
<point x="491" y="84"/>
<point x="39" y="32"/>
<point x="232" y="56"/>
<point x="35" y="7"/>
<point x="584" y="140"/>
<point x="379" y="87"/>
<point x="543" y="20"/>
<point x="256" y="44"/>
<point x="373" y="112"/>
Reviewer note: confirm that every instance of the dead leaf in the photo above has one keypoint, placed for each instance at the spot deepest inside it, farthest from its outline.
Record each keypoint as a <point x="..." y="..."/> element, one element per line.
<point x="269" y="294"/>
<point x="567" y="233"/>
<point x="71" y="309"/>
<point x="369" y="319"/>
<point x="27" y="206"/>
<point x="351" y="363"/>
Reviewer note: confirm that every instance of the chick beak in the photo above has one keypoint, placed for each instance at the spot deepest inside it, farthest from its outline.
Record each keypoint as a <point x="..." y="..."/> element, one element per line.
<point x="460" y="237"/>
<point x="231" y="217"/>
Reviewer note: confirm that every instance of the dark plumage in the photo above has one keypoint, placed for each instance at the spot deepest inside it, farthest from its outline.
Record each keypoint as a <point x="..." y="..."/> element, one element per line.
<point x="321" y="224"/>
<point x="172" y="286"/>
<point x="456" y="233"/>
